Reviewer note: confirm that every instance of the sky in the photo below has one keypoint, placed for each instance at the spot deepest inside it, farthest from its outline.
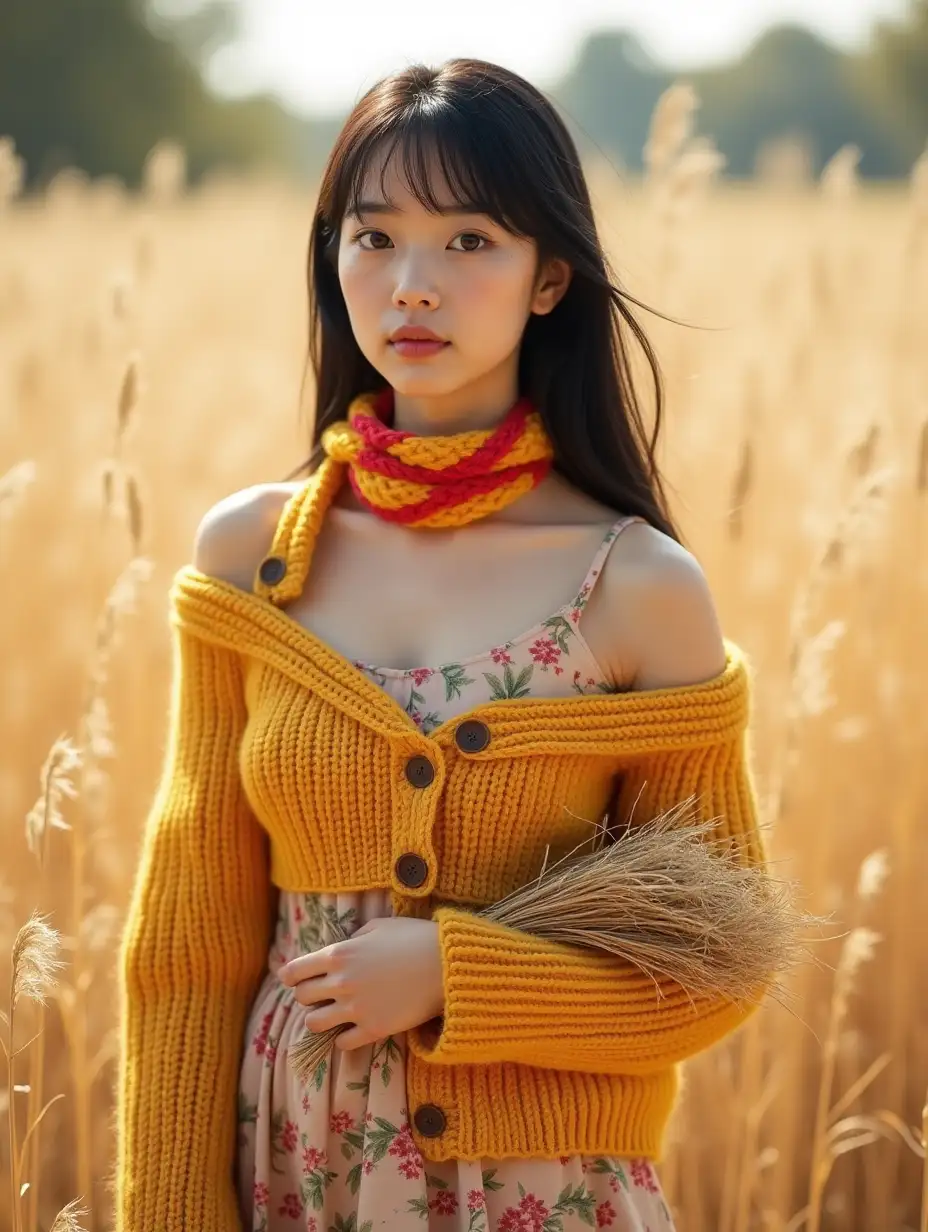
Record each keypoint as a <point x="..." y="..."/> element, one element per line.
<point x="321" y="55"/>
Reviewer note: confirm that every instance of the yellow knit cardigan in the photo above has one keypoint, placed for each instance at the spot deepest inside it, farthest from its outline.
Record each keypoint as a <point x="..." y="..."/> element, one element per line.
<point x="285" y="766"/>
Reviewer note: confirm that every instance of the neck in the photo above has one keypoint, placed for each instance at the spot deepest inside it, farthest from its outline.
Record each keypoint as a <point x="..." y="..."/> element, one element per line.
<point x="472" y="408"/>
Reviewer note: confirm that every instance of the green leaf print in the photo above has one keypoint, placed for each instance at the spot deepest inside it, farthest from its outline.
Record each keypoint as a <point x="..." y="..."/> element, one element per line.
<point x="418" y="1206"/>
<point x="437" y="1182"/>
<point x="612" y="1169"/>
<point x="380" y="1140"/>
<point x="247" y="1113"/>
<point x="456" y="679"/>
<point x="313" y="1186"/>
<point x="488" y="1179"/>
<point x="350" y="1223"/>
<point x="319" y="1073"/>
<point x="353" y="1177"/>
<point x="561" y="630"/>
<point x="511" y="685"/>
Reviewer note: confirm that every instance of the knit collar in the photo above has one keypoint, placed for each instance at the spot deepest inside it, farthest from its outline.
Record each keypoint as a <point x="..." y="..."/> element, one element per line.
<point x="435" y="482"/>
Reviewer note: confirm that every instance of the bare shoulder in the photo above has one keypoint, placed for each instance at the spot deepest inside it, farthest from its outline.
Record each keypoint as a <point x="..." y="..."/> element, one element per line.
<point x="657" y="600"/>
<point x="234" y="535"/>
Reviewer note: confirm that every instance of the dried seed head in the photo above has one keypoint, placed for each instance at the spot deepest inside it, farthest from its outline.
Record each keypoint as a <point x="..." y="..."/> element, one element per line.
<point x="35" y="959"/>
<point x="128" y="395"/>
<point x="165" y="171"/>
<point x="839" y="177"/>
<point x="13" y="484"/>
<point x="857" y="949"/>
<point x="67" y="1218"/>
<point x="809" y="685"/>
<point x="12" y="172"/>
<point x="134" y="511"/>
<point x="671" y="126"/>
<point x="920" y="186"/>
<point x="62" y="758"/>
<point x="873" y="872"/>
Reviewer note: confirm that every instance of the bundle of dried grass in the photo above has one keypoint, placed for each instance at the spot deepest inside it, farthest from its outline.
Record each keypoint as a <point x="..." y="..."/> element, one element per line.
<point x="664" y="897"/>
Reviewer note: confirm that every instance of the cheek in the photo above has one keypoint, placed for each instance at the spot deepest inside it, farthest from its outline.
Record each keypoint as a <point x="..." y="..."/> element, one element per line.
<point x="497" y="299"/>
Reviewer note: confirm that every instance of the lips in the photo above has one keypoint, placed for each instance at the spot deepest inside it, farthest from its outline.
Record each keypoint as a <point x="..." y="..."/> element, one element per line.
<point x="416" y="348"/>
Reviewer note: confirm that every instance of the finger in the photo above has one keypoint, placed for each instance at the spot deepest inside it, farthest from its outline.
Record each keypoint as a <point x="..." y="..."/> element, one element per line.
<point x="310" y="992"/>
<point x="322" y="1017"/>
<point x="305" y="966"/>
<point x="354" y="1037"/>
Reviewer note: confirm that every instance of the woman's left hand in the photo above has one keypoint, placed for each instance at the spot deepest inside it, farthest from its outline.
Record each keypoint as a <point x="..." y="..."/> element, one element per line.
<point x="384" y="979"/>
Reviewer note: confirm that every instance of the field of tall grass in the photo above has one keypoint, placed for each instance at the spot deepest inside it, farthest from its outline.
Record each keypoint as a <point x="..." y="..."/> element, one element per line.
<point x="151" y="350"/>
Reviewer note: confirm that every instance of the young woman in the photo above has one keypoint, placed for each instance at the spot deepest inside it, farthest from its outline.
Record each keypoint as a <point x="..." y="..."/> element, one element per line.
<point x="470" y="632"/>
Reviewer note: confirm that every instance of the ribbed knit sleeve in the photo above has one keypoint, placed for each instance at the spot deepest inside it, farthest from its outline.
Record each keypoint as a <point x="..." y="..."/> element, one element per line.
<point x="190" y="962"/>
<point x="512" y="997"/>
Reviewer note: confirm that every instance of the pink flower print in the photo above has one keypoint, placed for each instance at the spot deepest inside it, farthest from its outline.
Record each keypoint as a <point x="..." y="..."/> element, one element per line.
<point x="306" y="1104"/>
<point x="313" y="1158"/>
<point x="476" y="1200"/>
<point x="513" y="1220"/>
<point x="410" y="1168"/>
<point x="643" y="1175"/>
<point x="500" y="654"/>
<point x="421" y="674"/>
<point x="261" y="1194"/>
<point x="291" y="1206"/>
<point x="368" y="1118"/>
<point x="445" y="1202"/>
<point x="404" y="1144"/>
<point x="270" y="1055"/>
<point x="340" y="1121"/>
<point x="535" y="1210"/>
<point x="259" y="1043"/>
<point x="605" y="1214"/>
<point x="367" y="1166"/>
<point x="312" y="1224"/>
<point x="546" y="651"/>
<point x="289" y="1135"/>
<point x="564" y="1159"/>
<point x="299" y="914"/>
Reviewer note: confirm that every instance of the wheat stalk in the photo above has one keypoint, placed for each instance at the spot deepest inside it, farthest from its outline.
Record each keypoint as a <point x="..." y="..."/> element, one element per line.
<point x="658" y="898"/>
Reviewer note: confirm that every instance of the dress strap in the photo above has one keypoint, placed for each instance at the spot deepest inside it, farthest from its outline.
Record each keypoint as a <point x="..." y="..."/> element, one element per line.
<point x="280" y="577"/>
<point x="592" y="574"/>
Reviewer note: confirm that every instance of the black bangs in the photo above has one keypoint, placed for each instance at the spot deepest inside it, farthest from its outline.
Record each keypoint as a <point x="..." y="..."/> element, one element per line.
<point x="478" y="173"/>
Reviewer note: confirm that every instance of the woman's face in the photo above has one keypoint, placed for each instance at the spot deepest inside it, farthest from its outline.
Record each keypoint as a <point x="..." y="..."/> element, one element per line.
<point x="460" y="275"/>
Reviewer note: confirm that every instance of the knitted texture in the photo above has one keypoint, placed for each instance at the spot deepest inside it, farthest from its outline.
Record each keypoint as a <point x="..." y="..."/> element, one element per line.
<point x="285" y="765"/>
<point x="437" y="481"/>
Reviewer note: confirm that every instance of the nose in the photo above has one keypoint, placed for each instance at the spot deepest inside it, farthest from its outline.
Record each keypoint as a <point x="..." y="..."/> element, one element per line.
<point x="414" y="288"/>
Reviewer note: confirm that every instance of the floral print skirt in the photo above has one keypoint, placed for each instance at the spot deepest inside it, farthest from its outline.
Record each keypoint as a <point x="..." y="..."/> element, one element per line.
<point x="336" y="1154"/>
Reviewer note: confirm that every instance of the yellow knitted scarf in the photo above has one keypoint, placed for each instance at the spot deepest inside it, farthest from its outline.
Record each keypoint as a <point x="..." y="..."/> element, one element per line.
<point x="437" y="481"/>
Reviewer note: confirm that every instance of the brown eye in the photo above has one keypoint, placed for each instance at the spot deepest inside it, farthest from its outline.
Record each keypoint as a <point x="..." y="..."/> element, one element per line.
<point x="372" y="234"/>
<point x="470" y="235"/>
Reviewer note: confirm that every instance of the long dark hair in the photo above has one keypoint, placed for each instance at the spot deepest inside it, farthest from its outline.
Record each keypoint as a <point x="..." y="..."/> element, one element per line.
<point x="503" y="149"/>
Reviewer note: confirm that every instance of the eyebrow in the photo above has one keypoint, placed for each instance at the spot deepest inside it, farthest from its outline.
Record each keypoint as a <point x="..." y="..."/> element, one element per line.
<point x="381" y="207"/>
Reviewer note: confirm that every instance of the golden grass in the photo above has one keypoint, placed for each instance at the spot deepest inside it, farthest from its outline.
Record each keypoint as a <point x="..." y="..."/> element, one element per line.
<point x="150" y="361"/>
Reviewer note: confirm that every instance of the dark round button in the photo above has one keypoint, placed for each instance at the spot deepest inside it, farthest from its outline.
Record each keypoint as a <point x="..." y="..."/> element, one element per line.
<point x="420" y="771"/>
<point x="472" y="736"/>
<point x="429" y="1120"/>
<point x="411" y="869"/>
<point x="273" y="568"/>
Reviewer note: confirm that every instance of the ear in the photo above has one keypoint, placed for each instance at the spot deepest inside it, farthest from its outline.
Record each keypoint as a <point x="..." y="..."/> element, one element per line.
<point x="550" y="285"/>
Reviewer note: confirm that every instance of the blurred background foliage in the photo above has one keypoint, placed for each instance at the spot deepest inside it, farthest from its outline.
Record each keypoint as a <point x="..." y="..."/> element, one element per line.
<point x="97" y="84"/>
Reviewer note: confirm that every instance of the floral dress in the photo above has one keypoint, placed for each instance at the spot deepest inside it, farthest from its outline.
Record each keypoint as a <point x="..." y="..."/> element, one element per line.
<point x="335" y="1154"/>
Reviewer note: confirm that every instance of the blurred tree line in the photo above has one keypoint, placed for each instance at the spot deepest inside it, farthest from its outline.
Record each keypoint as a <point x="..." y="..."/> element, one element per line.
<point x="97" y="84"/>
